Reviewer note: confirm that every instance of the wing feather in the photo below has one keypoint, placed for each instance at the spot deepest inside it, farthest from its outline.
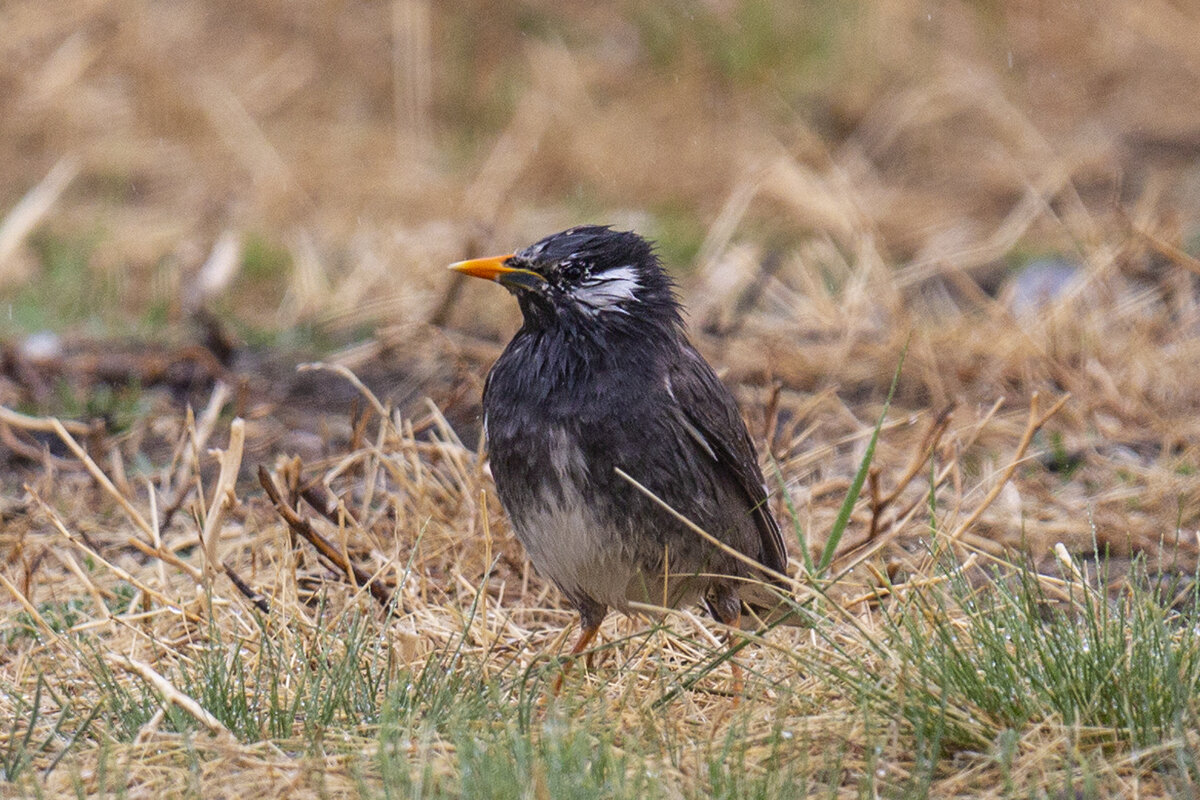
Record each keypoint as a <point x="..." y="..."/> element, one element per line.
<point x="710" y="415"/>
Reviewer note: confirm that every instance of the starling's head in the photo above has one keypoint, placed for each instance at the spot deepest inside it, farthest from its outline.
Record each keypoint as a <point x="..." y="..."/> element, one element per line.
<point x="581" y="274"/>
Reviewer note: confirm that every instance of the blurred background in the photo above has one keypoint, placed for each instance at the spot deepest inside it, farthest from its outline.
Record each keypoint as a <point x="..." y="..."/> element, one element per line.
<point x="193" y="190"/>
<point x="346" y="151"/>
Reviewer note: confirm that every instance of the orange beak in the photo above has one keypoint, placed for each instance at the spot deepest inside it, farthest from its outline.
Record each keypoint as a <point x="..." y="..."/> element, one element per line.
<point x="494" y="269"/>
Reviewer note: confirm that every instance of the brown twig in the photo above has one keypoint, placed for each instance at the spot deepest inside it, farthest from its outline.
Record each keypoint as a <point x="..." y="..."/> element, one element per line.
<point x="201" y="428"/>
<point x="929" y="443"/>
<point x="35" y="453"/>
<point x="359" y="417"/>
<point x="877" y="503"/>
<point x="304" y="529"/>
<point x="259" y="600"/>
<point x="328" y="506"/>
<point x="1036" y="421"/>
<point x="856" y="555"/>
<point x="771" y="416"/>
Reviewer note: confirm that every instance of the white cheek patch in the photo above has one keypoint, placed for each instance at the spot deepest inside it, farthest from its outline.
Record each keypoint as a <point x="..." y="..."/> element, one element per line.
<point x="608" y="290"/>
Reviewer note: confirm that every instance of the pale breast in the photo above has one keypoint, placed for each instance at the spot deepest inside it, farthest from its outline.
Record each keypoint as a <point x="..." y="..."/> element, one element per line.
<point x="560" y="532"/>
<point x="566" y="545"/>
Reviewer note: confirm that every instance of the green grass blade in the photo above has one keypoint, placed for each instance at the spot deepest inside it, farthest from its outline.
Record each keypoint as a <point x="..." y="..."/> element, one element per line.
<point x="843" y="517"/>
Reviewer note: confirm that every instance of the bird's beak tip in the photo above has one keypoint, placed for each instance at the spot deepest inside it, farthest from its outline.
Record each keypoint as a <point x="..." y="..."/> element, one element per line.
<point x="495" y="268"/>
<point x="490" y="268"/>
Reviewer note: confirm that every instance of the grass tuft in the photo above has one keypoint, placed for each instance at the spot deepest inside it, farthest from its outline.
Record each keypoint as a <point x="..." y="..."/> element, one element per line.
<point x="976" y="658"/>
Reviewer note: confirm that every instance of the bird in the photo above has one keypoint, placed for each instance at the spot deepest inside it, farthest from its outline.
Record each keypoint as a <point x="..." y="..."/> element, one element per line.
<point x="600" y="389"/>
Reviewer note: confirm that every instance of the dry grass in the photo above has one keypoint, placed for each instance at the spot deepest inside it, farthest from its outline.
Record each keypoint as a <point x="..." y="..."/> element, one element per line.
<point x="843" y="183"/>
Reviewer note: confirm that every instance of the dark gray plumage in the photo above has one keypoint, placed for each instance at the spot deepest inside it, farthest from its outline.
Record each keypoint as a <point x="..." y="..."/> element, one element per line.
<point x="601" y="376"/>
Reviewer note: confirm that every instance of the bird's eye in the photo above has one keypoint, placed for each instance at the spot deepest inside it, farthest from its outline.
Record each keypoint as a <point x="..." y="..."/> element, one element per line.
<point x="573" y="271"/>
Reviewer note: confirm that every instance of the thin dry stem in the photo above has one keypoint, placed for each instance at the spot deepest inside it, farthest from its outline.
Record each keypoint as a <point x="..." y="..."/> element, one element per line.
<point x="224" y="497"/>
<point x="171" y="694"/>
<point x="1036" y="421"/>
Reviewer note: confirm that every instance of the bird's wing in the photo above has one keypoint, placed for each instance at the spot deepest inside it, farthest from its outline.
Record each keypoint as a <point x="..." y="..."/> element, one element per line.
<point x="710" y="415"/>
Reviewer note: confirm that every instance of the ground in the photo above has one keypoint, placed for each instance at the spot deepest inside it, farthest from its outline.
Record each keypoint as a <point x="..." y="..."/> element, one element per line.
<point x="946" y="255"/>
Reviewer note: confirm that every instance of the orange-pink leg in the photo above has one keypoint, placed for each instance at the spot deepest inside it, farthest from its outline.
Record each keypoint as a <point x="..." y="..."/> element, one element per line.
<point x="739" y="683"/>
<point x="586" y="635"/>
<point x="726" y="607"/>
